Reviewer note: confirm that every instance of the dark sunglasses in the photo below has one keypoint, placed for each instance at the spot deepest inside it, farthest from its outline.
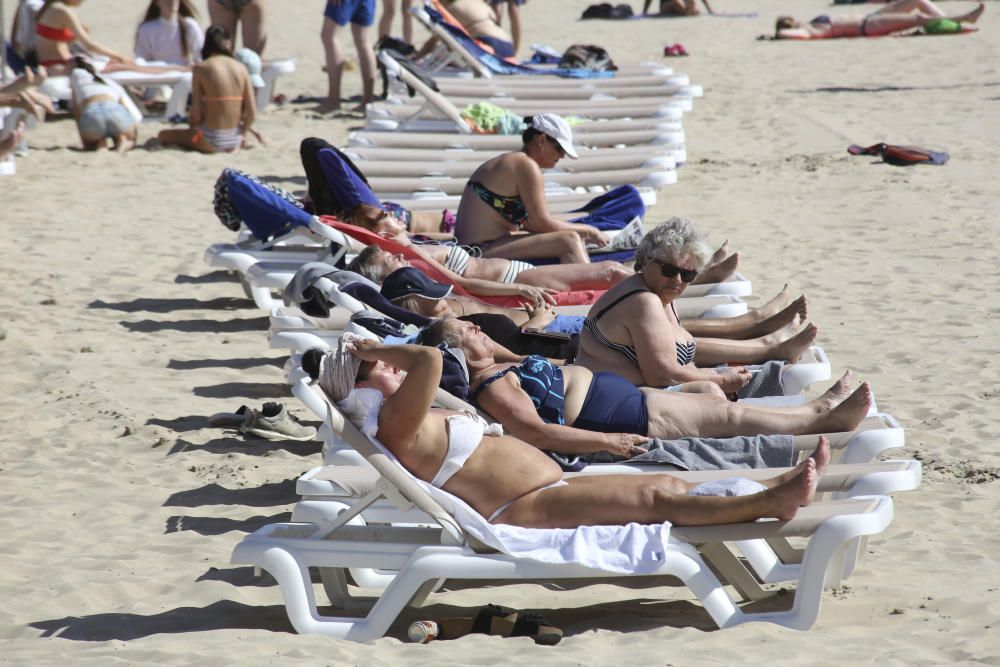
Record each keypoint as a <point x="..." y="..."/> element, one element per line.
<point x="562" y="152"/>
<point x="671" y="271"/>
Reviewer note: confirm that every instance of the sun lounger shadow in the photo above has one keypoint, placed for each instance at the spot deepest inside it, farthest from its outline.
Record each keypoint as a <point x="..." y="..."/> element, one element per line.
<point x="221" y="615"/>
<point x="169" y="305"/>
<point x="210" y="277"/>
<point x="180" y="424"/>
<point x="269" y="494"/>
<point x="247" y="447"/>
<point x="236" y="364"/>
<point x="239" y="576"/>
<point x="250" y="390"/>
<point x="235" y="325"/>
<point x="217" y="525"/>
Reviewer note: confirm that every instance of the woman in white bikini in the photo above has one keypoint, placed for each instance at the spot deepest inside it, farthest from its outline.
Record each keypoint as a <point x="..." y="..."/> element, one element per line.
<point x="508" y="480"/>
<point x="222" y="107"/>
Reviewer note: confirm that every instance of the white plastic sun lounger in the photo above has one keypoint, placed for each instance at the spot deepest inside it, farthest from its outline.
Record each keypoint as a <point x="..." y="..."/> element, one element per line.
<point x="462" y="164"/>
<point x="494" y="142"/>
<point x="425" y="557"/>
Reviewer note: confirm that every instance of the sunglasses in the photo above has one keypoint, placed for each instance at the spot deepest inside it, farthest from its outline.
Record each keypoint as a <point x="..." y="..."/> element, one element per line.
<point x="670" y="271"/>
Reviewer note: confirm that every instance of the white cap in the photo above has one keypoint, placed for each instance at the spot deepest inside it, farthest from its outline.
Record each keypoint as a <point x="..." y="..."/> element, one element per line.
<point x="557" y="128"/>
<point x="252" y="62"/>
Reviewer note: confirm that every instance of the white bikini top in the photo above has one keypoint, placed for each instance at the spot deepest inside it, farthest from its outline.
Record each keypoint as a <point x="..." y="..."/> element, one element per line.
<point x="465" y="432"/>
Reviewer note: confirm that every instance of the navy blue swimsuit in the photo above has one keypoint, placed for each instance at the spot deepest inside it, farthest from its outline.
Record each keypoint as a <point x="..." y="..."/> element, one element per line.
<point x="613" y="404"/>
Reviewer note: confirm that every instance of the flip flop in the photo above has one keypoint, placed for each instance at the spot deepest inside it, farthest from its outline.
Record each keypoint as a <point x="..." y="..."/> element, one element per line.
<point x="499" y="622"/>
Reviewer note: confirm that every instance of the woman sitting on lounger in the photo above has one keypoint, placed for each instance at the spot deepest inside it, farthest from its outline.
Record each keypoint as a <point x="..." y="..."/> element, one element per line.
<point x="57" y="27"/>
<point x="222" y="106"/>
<point x="896" y="16"/>
<point x="503" y="206"/>
<point x="633" y="329"/>
<point x="507" y="480"/>
<point x="574" y="411"/>
<point x="456" y="259"/>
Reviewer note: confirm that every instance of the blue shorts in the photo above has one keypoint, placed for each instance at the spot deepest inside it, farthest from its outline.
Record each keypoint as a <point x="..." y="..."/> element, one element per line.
<point x="501" y="47"/>
<point x="358" y="12"/>
<point x="521" y="2"/>
<point x="613" y="405"/>
<point x="105" y="120"/>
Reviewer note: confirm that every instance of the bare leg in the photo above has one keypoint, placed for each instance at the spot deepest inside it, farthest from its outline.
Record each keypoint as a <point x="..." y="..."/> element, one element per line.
<point x="567" y="246"/>
<point x="219" y="15"/>
<point x="366" y="58"/>
<point x="620" y="499"/>
<point x="884" y="24"/>
<point x="673" y="415"/>
<point x="838" y="392"/>
<point x="407" y="22"/>
<point x="127" y="140"/>
<point x="9" y="144"/>
<point x="750" y="325"/>
<point x="187" y="138"/>
<point x="719" y="271"/>
<point x="334" y="64"/>
<point x="570" y="277"/>
<point x="388" y="14"/>
<point x="909" y="7"/>
<point x="715" y="351"/>
<point x="254" y="26"/>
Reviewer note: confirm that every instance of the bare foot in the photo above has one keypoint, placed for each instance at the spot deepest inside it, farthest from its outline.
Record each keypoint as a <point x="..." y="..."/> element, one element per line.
<point x="774" y="306"/>
<point x="835" y="395"/>
<point x="797" y="492"/>
<point x="820" y="456"/>
<point x="793" y="348"/>
<point x="797" y="312"/>
<point x="25" y="102"/>
<point x="972" y="16"/>
<point x="41" y="100"/>
<point x="782" y="334"/>
<point x="848" y="414"/>
<point x="720" y="254"/>
<point x="328" y="107"/>
<point x="719" y="272"/>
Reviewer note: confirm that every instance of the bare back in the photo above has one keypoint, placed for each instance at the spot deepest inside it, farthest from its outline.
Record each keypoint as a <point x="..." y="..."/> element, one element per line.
<point x="478" y="222"/>
<point x="223" y="95"/>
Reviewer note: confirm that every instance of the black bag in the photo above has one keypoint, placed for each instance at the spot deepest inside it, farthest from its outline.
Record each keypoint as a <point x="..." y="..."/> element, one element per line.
<point x="606" y="10"/>
<point x="587" y="56"/>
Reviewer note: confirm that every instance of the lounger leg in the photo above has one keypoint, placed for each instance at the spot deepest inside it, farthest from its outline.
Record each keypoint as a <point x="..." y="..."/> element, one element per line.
<point x="733" y="571"/>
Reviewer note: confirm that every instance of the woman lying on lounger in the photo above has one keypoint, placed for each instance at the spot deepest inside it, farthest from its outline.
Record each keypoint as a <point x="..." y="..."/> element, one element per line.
<point x="564" y="278"/>
<point x="896" y="16"/>
<point x="456" y="260"/>
<point x="633" y="329"/>
<point x="503" y="205"/>
<point x="507" y="480"/>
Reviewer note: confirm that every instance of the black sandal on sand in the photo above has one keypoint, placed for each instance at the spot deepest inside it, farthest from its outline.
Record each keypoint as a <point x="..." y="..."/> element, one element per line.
<point x="497" y="621"/>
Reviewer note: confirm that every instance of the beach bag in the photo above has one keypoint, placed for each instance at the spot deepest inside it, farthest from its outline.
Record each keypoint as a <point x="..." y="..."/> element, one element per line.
<point x="942" y="27"/>
<point x="266" y="209"/>
<point x="587" y="56"/>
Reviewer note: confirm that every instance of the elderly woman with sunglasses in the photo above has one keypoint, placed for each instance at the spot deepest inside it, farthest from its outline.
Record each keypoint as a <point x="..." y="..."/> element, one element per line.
<point x="503" y="208"/>
<point x="633" y="329"/>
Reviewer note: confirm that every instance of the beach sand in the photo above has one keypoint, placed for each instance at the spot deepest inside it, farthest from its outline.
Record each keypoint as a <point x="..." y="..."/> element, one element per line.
<point x="120" y="506"/>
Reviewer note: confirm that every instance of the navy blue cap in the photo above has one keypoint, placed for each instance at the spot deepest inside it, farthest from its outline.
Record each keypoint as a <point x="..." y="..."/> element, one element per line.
<point x="408" y="280"/>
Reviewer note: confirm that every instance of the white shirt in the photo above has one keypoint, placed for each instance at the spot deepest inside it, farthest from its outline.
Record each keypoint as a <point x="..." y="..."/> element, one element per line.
<point x="160" y="40"/>
<point x="85" y="87"/>
<point x="25" y="37"/>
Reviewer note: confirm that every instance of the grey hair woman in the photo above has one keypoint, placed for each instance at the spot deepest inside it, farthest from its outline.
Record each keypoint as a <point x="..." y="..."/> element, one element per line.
<point x="645" y="342"/>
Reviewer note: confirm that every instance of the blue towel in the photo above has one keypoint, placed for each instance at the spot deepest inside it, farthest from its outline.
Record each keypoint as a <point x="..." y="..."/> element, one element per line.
<point x="614" y="209"/>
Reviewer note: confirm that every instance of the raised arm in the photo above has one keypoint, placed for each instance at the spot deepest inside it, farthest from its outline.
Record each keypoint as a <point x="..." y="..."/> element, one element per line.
<point x="405" y="410"/>
<point x="515" y="25"/>
<point x="506" y="401"/>
<point x="249" y="104"/>
<point x="531" y="189"/>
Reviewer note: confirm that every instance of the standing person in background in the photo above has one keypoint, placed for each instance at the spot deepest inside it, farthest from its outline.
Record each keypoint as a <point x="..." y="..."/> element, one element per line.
<point x="514" y="9"/>
<point x="360" y="14"/>
<point x="169" y="32"/>
<point x="21" y="52"/>
<point x="250" y="13"/>
<point x="389" y="13"/>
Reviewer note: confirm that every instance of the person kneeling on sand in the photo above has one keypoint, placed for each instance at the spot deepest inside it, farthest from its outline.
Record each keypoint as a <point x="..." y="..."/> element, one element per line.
<point x="509" y="481"/>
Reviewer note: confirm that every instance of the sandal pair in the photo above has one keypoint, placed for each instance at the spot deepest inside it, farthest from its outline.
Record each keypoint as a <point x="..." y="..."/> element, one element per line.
<point x="674" y="50"/>
<point x="499" y="622"/>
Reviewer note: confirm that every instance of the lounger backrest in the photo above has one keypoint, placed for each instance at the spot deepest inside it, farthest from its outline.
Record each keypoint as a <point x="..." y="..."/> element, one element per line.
<point x="431" y="96"/>
<point x="390" y="470"/>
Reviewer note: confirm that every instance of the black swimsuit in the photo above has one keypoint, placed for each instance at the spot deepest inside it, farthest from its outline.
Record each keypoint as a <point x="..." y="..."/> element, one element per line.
<point x="510" y="208"/>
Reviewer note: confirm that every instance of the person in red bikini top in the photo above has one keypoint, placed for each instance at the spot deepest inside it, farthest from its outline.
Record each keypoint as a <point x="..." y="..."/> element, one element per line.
<point x="57" y="27"/>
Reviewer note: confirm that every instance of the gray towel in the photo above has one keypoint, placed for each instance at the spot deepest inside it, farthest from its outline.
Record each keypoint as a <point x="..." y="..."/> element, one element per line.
<point x="741" y="452"/>
<point x="765" y="383"/>
<point x="296" y="290"/>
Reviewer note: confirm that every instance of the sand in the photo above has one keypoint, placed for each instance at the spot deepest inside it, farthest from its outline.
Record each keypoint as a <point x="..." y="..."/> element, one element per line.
<point x="120" y="506"/>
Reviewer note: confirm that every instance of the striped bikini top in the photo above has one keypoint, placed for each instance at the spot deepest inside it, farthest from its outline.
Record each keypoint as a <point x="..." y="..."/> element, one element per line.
<point x="685" y="351"/>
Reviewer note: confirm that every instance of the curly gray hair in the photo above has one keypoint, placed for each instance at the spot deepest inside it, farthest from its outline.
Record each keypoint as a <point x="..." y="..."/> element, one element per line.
<point x="672" y="240"/>
<point x="364" y="265"/>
